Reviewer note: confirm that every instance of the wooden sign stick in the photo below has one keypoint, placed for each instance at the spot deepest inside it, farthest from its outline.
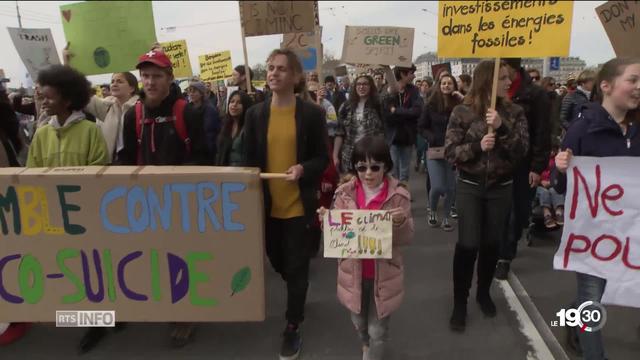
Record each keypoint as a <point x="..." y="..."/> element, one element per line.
<point x="247" y="71"/>
<point x="494" y="89"/>
<point x="268" y="176"/>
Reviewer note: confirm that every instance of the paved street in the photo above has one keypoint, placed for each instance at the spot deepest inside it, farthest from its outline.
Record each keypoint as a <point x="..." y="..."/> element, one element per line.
<point x="419" y="330"/>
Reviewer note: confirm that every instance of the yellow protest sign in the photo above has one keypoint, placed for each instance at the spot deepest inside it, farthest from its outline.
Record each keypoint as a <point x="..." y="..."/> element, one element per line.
<point x="258" y="84"/>
<point x="215" y="66"/>
<point x="478" y="29"/>
<point x="179" y="56"/>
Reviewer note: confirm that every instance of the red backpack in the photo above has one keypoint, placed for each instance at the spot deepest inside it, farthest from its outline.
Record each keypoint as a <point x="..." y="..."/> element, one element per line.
<point x="178" y="123"/>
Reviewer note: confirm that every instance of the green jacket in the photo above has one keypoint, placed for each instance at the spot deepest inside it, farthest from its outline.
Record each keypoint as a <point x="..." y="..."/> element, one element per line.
<point x="78" y="143"/>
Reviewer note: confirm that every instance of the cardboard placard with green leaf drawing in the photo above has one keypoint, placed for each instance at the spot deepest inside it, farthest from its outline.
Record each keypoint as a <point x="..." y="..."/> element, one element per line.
<point x="359" y="234"/>
<point x="154" y="244"/>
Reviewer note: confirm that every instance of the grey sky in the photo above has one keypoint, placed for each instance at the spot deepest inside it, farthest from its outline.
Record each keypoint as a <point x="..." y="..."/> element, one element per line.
<point x="215" y="26"/>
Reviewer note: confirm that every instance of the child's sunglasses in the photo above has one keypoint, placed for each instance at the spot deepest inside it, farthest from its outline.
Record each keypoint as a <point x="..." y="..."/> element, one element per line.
<point x="363" y="168"/>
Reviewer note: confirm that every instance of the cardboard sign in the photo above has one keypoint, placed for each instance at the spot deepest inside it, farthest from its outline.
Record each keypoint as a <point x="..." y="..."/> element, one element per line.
<point x="152" y="244"/>
<point x="479" y="29"/>
<point x="108" y="36"/>
<point x="601" y="234"/>
<point x="619" y="21"/>
<point x="361" y="234"/>
<point x="277" y="17"/>
<point x="36" y="48"/>
<point x="341" y="70"/>
<point x="215" y="66"/>
<point x="179" y="55"/>
<point x="378" y="45"/>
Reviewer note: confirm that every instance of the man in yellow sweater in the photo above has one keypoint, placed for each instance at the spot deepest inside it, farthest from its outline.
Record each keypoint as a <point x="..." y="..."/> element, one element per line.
<point x="285" y="134"/>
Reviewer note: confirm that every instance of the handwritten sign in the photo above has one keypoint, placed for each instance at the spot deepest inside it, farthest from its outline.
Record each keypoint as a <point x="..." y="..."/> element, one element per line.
<point x="215" y="66"/>
<point x="36" y="48"/>
<point x="362" y="234"/>
<point x="179" y="55"/>
<point x="477" y="29"/>
<point x="378" y="45"/>
<point x="601" y="234"/>
<point x="620" y="21"/>
<point x="108" y="36"/>
<point x="165" y="244"/>
<point x="277" y="17"/>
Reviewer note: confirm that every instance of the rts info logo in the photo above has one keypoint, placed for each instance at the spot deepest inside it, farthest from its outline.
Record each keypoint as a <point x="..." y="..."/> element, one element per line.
<point x="590" y="316"/>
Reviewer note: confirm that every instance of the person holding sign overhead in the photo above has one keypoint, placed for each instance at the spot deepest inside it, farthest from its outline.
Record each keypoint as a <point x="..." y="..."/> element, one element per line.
<point x="286" y="134"/>
<point x="372" y="289"/>
<point x="607" y="127"/>
<point x="485" y="145"/>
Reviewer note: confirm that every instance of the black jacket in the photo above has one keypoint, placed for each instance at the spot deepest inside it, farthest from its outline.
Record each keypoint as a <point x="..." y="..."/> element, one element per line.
<point x="433" y="126"/>
<point x="537" y="109"/>
<point x="595" y="133"/>
<point x="312" y="153"/>
<point x="571" y="105"/>
<point x="9" y="134"/>
<point x="169" y="148"/>
<point x="401" y="126"/>
<point x="339" y="98"/>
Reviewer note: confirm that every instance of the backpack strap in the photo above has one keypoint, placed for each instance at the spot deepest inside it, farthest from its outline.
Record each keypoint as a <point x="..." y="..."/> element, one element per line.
<point x="180" y="124"/>
<point x="139" y="128"/>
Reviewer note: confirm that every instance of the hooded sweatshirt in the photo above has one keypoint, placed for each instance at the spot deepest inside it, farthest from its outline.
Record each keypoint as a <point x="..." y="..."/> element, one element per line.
<point x="78" y="142"/>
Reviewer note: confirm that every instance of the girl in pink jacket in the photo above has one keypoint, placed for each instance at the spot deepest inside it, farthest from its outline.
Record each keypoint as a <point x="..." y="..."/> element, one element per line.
<point x="373" y="288"/>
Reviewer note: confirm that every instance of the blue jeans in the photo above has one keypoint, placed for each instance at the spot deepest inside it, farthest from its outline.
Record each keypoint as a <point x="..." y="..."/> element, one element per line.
<point x="590" y="288"/>
<point x="549" y="198"/>
<point x="401" y="157"/>
<point x="443" y="183"/>
<point x="373" y="332"/>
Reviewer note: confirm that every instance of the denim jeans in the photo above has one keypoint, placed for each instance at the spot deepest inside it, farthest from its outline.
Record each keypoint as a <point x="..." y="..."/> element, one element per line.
<point x="550" y="198"/>
<point x="401" y="157"/>
<point x="523" y="195"/>
<point x="443" y="183"/>
<point x="590" y="288"/>
<point x="372" y="331"/>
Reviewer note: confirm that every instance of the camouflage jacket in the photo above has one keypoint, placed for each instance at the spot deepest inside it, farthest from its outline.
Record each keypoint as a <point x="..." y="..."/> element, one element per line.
<point x="465" y="131"/>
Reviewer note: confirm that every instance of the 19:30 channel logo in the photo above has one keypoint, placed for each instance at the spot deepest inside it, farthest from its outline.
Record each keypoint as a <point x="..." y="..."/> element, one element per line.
<point x="590" y="316"/>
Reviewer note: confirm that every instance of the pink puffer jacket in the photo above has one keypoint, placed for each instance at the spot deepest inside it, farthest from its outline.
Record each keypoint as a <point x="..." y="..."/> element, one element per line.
<point x="389" y="280"/>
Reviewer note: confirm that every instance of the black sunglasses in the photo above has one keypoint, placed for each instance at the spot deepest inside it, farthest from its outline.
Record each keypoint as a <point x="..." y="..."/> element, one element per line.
<point x="363" y="168"/>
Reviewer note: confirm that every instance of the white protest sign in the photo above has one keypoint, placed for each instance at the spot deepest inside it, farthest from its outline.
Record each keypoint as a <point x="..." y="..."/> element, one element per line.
<point x="35" y="47"/>
<point x="360" y="234"/>
<point x="601" y="235"/>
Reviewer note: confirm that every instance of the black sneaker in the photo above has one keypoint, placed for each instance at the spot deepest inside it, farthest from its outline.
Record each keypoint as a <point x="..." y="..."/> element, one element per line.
<point x="502" y="270"/>
<point x="458" y="320"/>
<point x="291" y="343"/>
<point x="433" y="219"/>
<point x="487" y="306"/>
<point x="454" y="213"/>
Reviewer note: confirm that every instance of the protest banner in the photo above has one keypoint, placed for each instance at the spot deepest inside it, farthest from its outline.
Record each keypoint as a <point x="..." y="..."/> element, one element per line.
<point x="36" y="48"/>
<point x="108" y="36"/>
<point x="619" y="21"/>
<point x="153" y="244"/>
<point x="601" y="234"/>
<point x="277" y="17"/>
<point x="215" y="66"/>
<point x="481" y="29"/>
<point x="179" y="55"/>
<point x="360" y="234"/>
<point x="436" y="69"/>
<point x="259" y="84"/>
<point x="378" y="45"/>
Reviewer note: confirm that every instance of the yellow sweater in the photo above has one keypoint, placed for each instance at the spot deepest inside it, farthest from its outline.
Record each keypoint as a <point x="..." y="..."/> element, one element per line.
<point x="281" y="155"/>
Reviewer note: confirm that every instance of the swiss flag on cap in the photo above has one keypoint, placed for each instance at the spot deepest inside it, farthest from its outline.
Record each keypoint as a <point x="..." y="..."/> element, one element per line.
<point x="155" y="57"/>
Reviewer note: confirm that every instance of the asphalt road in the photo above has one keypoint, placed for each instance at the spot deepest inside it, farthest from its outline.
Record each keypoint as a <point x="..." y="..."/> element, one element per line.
<point x="419" y="329"/>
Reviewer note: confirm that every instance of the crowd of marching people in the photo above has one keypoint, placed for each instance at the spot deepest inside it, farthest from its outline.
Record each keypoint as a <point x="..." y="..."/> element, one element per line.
<point x="349" y="144"/>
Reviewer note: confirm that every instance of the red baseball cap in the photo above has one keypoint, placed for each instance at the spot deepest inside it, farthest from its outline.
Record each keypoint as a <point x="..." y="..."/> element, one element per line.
<point x="155" y="57"/>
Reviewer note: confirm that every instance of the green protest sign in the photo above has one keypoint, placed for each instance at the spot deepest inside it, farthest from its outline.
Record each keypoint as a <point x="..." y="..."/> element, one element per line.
<point x="108" y="36"/>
